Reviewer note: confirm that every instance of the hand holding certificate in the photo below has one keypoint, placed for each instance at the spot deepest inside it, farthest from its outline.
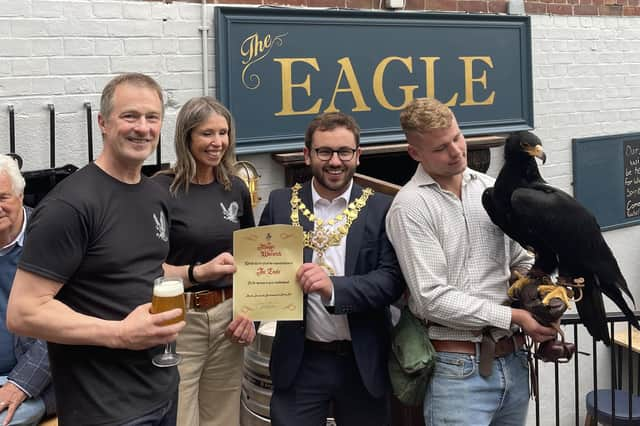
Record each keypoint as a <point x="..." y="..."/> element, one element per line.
<point x="264" y="285"/>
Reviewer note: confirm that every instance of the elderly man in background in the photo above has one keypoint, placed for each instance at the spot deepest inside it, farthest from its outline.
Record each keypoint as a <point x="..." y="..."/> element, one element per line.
<point x="26" y="394"/>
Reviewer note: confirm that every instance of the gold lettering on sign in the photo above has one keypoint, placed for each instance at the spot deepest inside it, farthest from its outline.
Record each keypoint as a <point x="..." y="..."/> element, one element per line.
<point x="469" y="80"/>
<point x="346" y="70"/>
<point x="378" y="88"/>
<point x="254" y="49"/>
<point x="288" y="85"/>
<point x="430" y="73"/>
<point x="347" y="81"/>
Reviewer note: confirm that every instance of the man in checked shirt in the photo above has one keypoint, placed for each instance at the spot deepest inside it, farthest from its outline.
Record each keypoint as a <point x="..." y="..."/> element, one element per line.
<point x="457" y="265"/>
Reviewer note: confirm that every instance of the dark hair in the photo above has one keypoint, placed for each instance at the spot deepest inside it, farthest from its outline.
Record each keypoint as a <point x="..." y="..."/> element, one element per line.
<point x="330" y="121"/>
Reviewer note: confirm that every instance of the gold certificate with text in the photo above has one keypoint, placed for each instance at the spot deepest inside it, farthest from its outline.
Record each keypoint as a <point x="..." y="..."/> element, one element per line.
<point x="264" y="285"/>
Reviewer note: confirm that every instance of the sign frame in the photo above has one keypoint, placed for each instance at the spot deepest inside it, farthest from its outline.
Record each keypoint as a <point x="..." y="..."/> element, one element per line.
<point x="267" y="136"/>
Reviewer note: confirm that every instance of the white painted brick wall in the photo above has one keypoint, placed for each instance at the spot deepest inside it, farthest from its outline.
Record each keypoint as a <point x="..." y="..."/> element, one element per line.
<point x="79" y="47"/>
<point x="18" y="8"/>
<point x="63" y="52"/>
<point x="44" y="47"/>
<point x="136" y="11"/>
<point x="107" y="9"/>
<point x="586" y="81"/>
<point x="5" y="68"/>
<point x="47" y="9"/>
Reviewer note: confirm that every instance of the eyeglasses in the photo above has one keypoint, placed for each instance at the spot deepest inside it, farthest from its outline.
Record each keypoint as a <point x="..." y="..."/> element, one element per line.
<point x="344" y="154"/>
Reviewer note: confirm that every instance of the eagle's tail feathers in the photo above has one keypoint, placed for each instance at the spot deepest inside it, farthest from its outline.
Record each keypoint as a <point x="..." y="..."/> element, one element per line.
<point x="592" y="313"/>
<point x="622" y="304"/>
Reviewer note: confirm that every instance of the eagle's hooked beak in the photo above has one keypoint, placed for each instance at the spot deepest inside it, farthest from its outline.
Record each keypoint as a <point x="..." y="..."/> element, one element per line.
<point x="538" y="152"/>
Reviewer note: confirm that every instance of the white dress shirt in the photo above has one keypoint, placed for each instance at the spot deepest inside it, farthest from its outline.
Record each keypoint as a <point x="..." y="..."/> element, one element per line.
<point x="321" y="325"/>
<point x="19" y="238"/>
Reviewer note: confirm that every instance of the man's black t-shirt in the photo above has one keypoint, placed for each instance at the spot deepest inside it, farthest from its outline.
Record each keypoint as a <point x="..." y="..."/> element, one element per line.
<point x="105" y="241"/>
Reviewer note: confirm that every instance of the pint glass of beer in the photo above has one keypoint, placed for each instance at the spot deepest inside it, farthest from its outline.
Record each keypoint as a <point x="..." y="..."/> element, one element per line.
<point x="168" y="294"/>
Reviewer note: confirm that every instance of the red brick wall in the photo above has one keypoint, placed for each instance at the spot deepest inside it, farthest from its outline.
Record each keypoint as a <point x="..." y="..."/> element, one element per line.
<point x="532" y="7"/>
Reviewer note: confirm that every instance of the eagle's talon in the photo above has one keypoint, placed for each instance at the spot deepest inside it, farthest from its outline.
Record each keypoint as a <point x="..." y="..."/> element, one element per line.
<point x="574" y="287"/>
<point x="521" y="281"/>
<point x="579" y="294"/>
<point x="553" y="291"/>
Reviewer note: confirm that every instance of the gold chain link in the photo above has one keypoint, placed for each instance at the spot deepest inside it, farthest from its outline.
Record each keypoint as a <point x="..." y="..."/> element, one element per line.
<point x="321" y="238"/>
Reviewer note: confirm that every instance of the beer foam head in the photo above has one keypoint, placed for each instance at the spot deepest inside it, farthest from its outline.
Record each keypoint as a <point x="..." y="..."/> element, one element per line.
<point x="168" y="288"/>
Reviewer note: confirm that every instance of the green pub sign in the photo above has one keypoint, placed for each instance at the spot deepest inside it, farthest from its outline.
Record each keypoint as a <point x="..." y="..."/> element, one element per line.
<point x="276" y="68"/>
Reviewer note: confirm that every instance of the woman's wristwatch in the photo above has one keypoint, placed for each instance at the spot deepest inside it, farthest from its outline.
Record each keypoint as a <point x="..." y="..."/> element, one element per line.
<point x="192" y="279"/>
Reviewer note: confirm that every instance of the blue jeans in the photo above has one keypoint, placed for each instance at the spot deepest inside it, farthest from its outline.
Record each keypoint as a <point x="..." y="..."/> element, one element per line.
<point x="458" y="395"/>
<point x="28" y="413"/>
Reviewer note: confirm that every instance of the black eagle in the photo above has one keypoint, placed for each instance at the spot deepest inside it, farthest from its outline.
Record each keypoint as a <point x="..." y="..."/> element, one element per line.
<point x="564" y="235"/>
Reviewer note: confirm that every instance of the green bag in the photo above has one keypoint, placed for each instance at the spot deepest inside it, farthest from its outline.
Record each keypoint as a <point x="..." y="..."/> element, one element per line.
<point x="411" y="360"/>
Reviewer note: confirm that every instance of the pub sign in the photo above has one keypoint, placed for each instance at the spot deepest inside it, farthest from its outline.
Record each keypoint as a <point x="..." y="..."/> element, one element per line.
<point x="277" y="68"/>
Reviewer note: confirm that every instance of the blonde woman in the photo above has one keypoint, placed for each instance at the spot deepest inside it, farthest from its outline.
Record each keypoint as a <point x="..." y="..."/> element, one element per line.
<point x="207" y="204"/>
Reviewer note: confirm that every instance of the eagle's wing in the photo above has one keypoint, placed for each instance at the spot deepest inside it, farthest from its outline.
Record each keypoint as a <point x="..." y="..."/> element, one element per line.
<point x="498" y="213"/>
<point x="556" y="223"/>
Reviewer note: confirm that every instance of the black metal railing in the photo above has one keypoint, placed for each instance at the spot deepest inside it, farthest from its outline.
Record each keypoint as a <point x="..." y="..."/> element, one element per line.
<point x="564" y="373"/>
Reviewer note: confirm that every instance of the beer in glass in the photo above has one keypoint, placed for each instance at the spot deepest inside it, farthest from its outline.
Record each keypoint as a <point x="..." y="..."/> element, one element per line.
<point x="168" y="294"/>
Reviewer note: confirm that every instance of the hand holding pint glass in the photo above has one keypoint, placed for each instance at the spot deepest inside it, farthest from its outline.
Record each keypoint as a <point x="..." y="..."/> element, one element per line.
<point x="168" y="294"/>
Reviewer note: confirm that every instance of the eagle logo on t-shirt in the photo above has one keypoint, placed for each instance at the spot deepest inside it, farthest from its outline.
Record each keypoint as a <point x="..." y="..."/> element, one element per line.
<point x="161" y="226"/>
<point x="230" y="213"/>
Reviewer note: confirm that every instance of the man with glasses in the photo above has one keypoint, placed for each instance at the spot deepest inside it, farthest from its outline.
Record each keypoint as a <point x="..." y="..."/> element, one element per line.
<point x="338" y="354"/>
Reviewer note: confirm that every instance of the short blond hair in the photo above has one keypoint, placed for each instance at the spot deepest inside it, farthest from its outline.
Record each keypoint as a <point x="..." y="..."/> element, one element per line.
<point x="424" y="114"/>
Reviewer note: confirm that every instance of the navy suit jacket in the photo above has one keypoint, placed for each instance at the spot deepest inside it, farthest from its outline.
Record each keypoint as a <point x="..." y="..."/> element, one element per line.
<point x="372" y="282"/>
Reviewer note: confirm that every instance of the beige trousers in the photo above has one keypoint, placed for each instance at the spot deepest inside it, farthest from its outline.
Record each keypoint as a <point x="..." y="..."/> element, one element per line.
<point x="210" y="371"/>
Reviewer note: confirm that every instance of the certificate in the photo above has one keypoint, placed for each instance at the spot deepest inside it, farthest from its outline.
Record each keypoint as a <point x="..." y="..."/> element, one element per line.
<point x="264" y="285"/>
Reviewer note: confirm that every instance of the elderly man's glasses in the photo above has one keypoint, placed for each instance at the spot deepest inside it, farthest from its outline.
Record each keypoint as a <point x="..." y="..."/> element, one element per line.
<point x="326" y="154"/>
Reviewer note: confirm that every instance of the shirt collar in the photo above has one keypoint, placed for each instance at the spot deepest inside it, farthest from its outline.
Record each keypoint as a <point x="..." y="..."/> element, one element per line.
<point x="422" y="178"/>
<point x="346" y="195"/>
<point x="19" y="240"/>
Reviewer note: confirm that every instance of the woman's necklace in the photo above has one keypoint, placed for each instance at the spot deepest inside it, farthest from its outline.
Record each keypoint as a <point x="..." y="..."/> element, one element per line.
<point x="322" y="237"/>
